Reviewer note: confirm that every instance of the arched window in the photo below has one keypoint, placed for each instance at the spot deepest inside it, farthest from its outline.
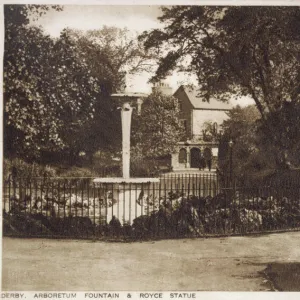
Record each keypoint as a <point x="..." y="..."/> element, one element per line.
<point x="182" y="156"/>
<point x="195" y="157"/>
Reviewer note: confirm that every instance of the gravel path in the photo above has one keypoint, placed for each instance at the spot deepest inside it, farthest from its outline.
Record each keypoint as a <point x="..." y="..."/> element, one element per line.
<point x="215" y="264"/>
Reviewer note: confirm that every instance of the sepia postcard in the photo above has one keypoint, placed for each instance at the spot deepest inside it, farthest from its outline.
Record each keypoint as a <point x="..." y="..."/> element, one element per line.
<point x="150" y="150"/>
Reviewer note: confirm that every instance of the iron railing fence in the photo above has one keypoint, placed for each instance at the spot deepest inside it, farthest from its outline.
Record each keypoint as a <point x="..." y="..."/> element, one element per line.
<point x="178" y="206"/>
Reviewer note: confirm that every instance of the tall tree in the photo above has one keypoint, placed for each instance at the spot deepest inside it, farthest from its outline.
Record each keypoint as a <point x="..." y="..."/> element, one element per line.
<point x="157" y="130"/>
<point x="251" y="51"/>
<point x="248" y="154"/>
<point x="50" y="94"/>
<point x="56" y="91"/>
<point x="112" y="52"/>
<point x="109" y="54"/>
<point x="252" y="153"/>
<point x="26" y="113"/>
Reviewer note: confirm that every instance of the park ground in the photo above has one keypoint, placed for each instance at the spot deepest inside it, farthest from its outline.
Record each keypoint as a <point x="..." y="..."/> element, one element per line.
<point x="253" y="263"/>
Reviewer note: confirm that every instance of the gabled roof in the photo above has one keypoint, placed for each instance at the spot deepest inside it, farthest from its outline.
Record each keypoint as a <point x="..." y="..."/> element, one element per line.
<point x="198" y="103"/>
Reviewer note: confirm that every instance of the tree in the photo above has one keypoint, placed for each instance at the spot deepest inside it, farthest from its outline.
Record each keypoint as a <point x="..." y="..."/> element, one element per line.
<point x="112" y="52"/>
<point x="286" y="122"/>
<point x="242" y="129"/>
<point x="56" y="91"/>
<point x="109" y="53"/>
<point x="47" y="89"/>
<point x="251" y="51"/>
<point x="157" y="130"/>
<point x="254" y="157"/>
<point x="25" y="110"/>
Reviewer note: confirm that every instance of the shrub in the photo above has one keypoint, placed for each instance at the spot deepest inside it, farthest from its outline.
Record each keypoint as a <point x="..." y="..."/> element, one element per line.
<point x="21" y="223"/>
<point x="170" y="216"/>
<point x="75" y="172"/>
<point x="22" y="169"/>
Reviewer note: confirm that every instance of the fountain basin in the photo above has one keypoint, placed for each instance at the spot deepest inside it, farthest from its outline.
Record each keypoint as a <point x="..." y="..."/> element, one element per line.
<point x="130" y="197"/>
<point x="122" y="180"/>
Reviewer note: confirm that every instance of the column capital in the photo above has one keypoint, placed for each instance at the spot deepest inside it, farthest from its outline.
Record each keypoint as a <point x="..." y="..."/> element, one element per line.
<point x="126" y="107"/>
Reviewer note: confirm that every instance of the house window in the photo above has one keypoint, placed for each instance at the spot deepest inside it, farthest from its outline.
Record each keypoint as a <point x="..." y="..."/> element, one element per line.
<point x="182" y="156"/>
<point x="215" y="128"/>
<point x="180" y="105"/>
<point x="184" y="125"/>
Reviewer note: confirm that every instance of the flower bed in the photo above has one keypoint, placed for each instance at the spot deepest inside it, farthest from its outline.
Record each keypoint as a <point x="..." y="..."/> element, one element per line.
<point x="171" y="215"/>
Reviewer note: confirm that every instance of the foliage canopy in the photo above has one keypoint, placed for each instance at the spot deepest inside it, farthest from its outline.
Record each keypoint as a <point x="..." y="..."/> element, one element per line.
<point x="245" y="51"/>
<point x="56" y="91"/>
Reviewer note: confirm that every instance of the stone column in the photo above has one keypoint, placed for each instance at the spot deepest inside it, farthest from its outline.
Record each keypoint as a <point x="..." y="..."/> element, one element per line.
<point x="174" y="160"/>
<point x="126" y="113"/>
<point x="139" y="106"/>
<point x="188" y="157"/>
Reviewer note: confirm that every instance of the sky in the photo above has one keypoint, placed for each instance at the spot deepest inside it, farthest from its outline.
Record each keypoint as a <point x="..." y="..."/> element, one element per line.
<point x="135" y="18"/>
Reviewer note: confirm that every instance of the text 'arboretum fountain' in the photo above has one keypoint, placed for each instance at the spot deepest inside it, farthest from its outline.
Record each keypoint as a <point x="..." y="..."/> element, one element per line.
<point x="126" y="192"/>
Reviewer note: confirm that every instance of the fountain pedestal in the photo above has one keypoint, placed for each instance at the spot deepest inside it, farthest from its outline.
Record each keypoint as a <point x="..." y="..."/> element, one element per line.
<point x="127" y="198"/>
<point x="127" y="193"/>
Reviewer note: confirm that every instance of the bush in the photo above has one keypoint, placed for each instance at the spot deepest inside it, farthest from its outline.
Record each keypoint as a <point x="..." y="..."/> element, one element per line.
<point x="170" y="216"/>
<point x="197" y="216"/>
<point x="20" y="168"/>
<point x="22" y="223"/>
<point x="75" y="172"/>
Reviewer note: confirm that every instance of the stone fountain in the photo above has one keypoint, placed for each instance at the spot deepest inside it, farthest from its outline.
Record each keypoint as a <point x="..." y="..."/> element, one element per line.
<point x="126" y="193"/>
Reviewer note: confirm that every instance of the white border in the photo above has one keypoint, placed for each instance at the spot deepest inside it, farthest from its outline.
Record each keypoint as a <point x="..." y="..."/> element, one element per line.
<point x="123" y="295"/>
<point x="160" y="2"/>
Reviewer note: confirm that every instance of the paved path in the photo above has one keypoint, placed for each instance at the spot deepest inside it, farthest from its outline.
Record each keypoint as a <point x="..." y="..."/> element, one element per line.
<point x="215" y="264"/>
<point x="188" y="172"/>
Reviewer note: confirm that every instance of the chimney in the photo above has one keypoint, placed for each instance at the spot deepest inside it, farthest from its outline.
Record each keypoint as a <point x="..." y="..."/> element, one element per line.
<point x="163" y="87"/>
